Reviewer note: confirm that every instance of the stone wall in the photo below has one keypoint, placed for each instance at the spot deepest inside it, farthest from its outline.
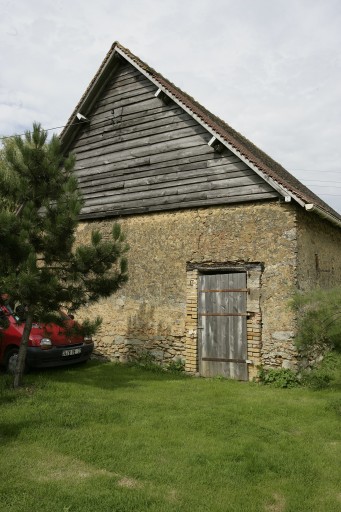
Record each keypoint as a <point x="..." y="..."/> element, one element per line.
<point x="151" y="312"/>
<point x="319" y="252"/>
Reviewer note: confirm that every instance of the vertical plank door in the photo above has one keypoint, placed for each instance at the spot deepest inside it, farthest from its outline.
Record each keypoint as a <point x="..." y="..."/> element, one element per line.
<point x="222" y="335"/>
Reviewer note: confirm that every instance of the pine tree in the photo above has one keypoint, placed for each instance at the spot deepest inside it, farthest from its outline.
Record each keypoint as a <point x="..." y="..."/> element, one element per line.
<point x="40" y="265"/>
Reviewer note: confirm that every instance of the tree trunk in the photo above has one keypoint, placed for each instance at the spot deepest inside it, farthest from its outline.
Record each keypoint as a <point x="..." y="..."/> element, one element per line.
<point x="19" y="370"/>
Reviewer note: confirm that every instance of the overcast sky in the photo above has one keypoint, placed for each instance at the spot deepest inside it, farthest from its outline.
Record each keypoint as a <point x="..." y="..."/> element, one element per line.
<point x="269" y="68"/>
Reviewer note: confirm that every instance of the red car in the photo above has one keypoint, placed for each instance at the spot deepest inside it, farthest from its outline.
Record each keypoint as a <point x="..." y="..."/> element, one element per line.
<point x="49" y="344"/>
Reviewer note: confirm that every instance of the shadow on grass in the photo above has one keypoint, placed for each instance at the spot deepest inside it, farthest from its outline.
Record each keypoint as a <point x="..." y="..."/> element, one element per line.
<point x="106" y="375"/>
<point x="9" y="432"/>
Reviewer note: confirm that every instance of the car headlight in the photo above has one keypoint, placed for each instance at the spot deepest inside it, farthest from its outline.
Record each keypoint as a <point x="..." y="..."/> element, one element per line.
<point x="45" y="343"/>
<point x="87" y="339"/>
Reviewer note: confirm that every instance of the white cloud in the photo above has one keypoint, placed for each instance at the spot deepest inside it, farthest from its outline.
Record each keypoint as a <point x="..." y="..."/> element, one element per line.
<point x="270" y="69"/>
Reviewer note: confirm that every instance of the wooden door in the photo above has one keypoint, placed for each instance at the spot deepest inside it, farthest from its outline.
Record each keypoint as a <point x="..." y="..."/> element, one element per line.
<point x="222" y="336"/>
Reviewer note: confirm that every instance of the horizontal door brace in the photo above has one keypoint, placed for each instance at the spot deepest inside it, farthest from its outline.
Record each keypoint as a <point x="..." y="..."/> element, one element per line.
<point x="226" y="290"/>
<point x="223" y="314"/>
<point x="223" y="360"/>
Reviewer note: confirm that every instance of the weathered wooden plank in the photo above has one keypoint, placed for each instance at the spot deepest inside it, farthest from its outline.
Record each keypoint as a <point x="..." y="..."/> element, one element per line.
<point x="109" y="210"/>
<point x="145" y="168"/>
<point x="100" y="121"/>
<point x="184" y="151"/>
<point x="238" y="191"/>
<point x="122" y="91"/>
<point x="125" y="91"/>
<point x="125" y="85"/>
<point x="116" y="96"/>
<point x="127" y="160"/>
<point x="118" y="138"/>
<point x="137" y="116"/>
<point x="139" y="102"/>
<point x="178" y="180"/>
<point x="123" y="80"/>
<point x="134" y="108"/>
<point x="166" y="195"/>
<point x="162" y="175"/>
<point x="160" y="199"/>
<point x="124" y="102"/>
<point x="149" y="184"/>
<point x="148" y="145"/>
<point x="118" y="135"/>
<point x="180" y="157"/>
<point x="218" y="189"/>
<point x="106" y="211"/>
<point x="154" y="114"/>
<point x="126" y="69"/>
<point x="93" y="134"/>
<point x="167" y="174"/>
<point x="127" y="79"/>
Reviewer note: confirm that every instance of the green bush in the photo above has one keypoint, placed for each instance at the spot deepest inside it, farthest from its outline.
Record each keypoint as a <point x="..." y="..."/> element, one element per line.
<point x="316" y="379"/>
<point x="148" y="361"/>
<point x="318" y="318"/>
<point x="324" y="373"/>
<point x="176" y="365"/>
<point x="278" y="377"/>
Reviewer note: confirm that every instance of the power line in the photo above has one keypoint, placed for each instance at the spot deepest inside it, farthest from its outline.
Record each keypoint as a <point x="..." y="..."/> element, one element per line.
<point x="332" y="195"/>
<point x="315" y="170"/>
<point x="2" y="137"/>
<point x="322" y="181"/>
<point x="316" y="187"/>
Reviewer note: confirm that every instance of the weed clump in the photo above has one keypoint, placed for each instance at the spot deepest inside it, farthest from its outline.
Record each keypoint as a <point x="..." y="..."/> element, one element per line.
<point x="278" y="377"/>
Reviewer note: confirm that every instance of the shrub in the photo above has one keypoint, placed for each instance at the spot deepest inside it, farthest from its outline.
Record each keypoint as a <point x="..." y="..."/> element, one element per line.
<point x="176" y="365"/>
<point x="278" y="377"/>
<point x="324" y="373"/>
<point x="148" y="361"/>
<point x="318" y="318"/>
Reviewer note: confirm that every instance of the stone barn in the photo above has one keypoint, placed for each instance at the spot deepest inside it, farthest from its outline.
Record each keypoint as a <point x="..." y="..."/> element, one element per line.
<point x="220" y="235"/>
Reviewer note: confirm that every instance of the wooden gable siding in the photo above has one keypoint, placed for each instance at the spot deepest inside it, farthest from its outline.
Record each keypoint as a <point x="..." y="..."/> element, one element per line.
<point x="138" y="155"/>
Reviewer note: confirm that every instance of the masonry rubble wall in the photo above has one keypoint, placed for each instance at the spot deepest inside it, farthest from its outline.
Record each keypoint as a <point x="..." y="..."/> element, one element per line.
<point x="319" y="252"/>
<point x="318" y="264"/>
<point x="155" y="311"/>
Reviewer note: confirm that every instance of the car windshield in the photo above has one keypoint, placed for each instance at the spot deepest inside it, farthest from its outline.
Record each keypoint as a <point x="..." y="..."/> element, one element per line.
<point x="6" y="311"/>
<point x="12" y="313"/>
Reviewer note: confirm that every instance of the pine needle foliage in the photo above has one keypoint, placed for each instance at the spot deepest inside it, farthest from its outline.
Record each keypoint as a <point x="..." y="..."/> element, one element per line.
<point x="40" y="266"/>
<point x="319" y="318"/>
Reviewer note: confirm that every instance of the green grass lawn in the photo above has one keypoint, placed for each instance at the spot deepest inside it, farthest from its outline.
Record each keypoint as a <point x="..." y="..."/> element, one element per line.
<point x="105" y="437"/>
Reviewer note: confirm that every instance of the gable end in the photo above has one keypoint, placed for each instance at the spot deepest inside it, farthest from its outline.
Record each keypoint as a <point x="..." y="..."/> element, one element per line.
<point x="140" y="154"/>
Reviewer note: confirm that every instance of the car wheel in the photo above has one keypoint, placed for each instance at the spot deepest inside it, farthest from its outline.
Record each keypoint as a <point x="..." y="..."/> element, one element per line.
<point x="11" y="360"/>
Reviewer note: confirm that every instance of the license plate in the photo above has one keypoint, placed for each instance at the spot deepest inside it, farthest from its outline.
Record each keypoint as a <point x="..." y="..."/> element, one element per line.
<point x="71" y="352"/>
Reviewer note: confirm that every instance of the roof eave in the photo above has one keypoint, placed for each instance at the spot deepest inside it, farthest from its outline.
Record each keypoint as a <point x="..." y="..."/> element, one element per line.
<point x="311" y="207"/>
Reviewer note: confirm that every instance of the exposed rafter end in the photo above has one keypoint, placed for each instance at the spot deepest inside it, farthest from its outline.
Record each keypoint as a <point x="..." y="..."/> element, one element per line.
<point x="216" y="144"/>
<point x="163" y="96"/>
<point x="81" y="118"/>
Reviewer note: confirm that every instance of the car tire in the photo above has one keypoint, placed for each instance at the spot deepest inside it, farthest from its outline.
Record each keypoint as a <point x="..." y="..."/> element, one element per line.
<point x="11" y="360"/>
